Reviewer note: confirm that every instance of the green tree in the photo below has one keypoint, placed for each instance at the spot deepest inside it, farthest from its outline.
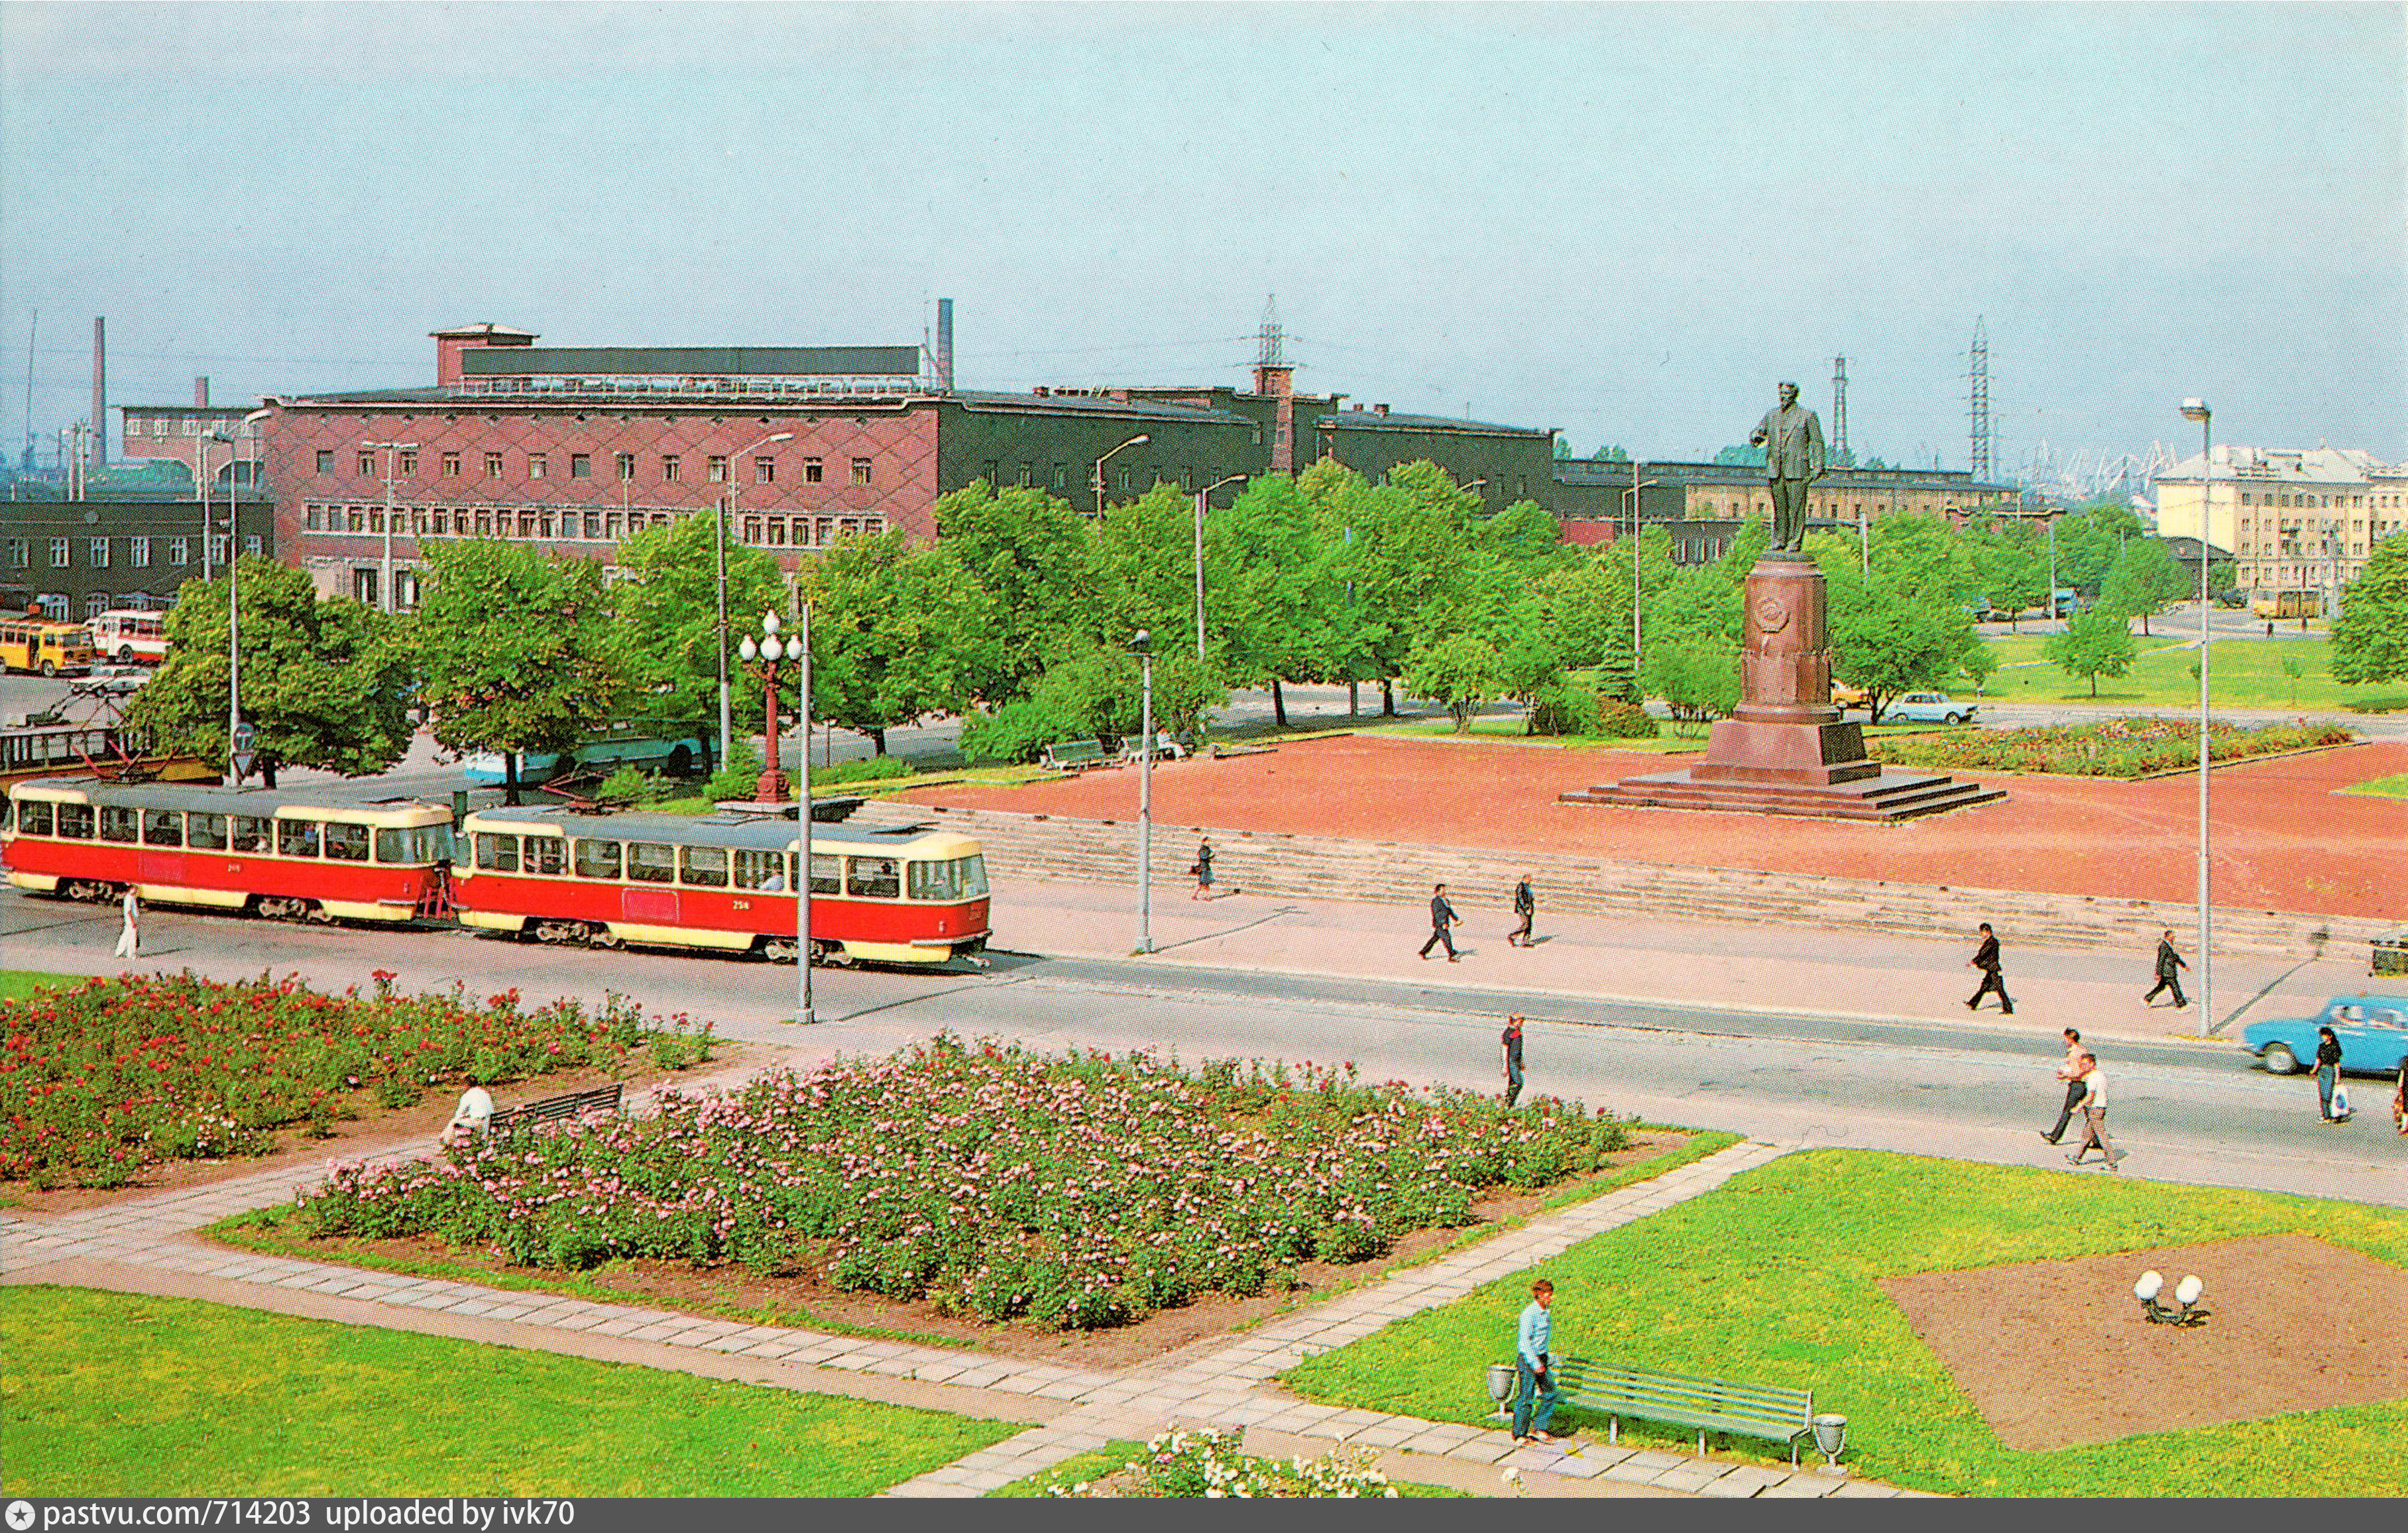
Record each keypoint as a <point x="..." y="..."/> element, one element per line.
<point x="1274" y="603"/>
<point x="1889" y="632"/>
<point x="1095" y="690"/>
<point x="1036" y="561"/>
<point x="2142" y="580"/>
<point x="1408" y="565"/>
<point x="1525" y="536"/>
<point x="1460" y="672"/>
<point x="666" y="606"/>
<point x="325" y="680"/>
<point x="2011" y="569"/>
<point x="1696" y="679"/>
<point x="2095" y="644"/>
<point x="2090" y="537"/>
<point x="517" y="649"/>
<point x="2370" y="638"/>
<point x="898" y="631"/>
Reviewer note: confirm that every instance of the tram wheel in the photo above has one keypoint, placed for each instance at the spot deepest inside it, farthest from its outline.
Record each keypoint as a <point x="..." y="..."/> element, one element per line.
<point x="85" y="889"/>
<point x="563" y="931"/>
<point x="779" y="949"/>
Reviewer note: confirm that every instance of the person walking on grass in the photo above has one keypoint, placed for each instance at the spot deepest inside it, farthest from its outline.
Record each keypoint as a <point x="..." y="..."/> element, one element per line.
<point x="2094" y="1116"/>
<point x="2327" y="1075"/>
<point x="1513" y="1040"/>
<point x="1526" y="905"/>
<point x="1986" y="958"/>
<point x="129" y="939"/>
<point x="1442" y="916"/>
<point x="2167" y="962"/>
<point x="2070" y="1071"/>
<point x="1534" y="1374"/>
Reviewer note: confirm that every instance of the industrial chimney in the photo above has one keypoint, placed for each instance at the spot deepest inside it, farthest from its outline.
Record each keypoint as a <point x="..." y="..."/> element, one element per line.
<point x="99" y="392"/>
<point x="945" y="344"/>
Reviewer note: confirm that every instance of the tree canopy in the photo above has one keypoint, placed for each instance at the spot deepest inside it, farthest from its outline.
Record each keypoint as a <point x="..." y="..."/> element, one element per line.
<point x="2370" y="638"/>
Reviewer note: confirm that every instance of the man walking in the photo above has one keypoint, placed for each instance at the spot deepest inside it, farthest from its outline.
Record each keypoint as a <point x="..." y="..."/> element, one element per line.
<point x="2168" y="961"/>
<point x="2094" y="1116"/>
<point x="1512" y="1042"/>
<point x="1442" y="916"/>
<point x="1986" y="958"/>
<point x="129" y="939"/>
<point x="1526" y="905"/>
<point x="2070" y="1073"/>
<point x="1534" y="1377"/>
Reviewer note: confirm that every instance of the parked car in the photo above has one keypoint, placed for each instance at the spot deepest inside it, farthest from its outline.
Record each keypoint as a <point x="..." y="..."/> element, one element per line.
<point x="1847" y="695"/>
<point x="1931" y="708"/>
<point x="2372" y="1030"/>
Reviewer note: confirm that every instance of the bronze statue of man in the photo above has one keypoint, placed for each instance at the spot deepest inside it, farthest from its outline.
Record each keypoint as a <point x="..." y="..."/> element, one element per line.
<point x="1793" y="459"/>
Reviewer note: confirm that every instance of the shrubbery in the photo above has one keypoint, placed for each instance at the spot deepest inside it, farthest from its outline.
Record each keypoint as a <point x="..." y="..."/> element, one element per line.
<point x="2117" y="747"/>
<point x="868" y="769"/>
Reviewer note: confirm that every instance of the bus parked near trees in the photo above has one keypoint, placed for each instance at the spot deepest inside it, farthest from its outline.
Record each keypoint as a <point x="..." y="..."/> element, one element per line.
<point x="2288" y="603"/>
<point x="903" y="895"/>
<point x="31" y="644"/>
<point x="130" y="637"/>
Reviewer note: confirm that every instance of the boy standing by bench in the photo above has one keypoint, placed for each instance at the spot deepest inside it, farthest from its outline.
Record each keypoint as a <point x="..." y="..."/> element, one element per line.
<point x="1533" y="1373"/>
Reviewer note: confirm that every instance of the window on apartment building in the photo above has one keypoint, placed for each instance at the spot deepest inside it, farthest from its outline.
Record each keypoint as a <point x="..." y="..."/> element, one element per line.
<point x="367" y="465"/>
<point x="217" y="548"/>
<point x="179" y="551"/>
<point x="580" y="465"/>
<point x="670" y="467"/>
<point x="1061" y="477"/>
<point x="1027" y="474"/>
<point x="450" y="466"/>
<point x="492" y="465"/>
<point x="765" y="470"/>
<point x="21" y="554"/>
<point x="405" y="464"/>
<point x="538" y="465"/>
<point x="717" y="472"/>
<point x="814" y="471"/>
<point x="138" y="553"/>
<point x="861" y="470"/>
<point x="626" y="465"/>
<point x="61" y="553"/>
<point x="250" y="544"/>
<point x="325" y="460"/>
<point x="749" y="530"/>
<point x="993" y="473"/>
<point x="776" y="532"/>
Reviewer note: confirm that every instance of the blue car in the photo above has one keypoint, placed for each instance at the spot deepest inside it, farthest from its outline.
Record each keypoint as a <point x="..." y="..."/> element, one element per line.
<point x="1930" y="708"/>
<point x="2373" y="1031"/>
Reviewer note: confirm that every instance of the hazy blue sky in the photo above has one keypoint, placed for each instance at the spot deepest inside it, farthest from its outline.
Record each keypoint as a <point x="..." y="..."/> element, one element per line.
<point x="1628" y="221"/>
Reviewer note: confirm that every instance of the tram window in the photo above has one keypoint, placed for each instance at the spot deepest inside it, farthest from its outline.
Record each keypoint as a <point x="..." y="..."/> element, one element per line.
<point x="34" y="817"/>
<point x="874" y="878"/>
<point x="206" y="832"/>
<point x="649" y="862"/>
<point x="162" y="827"/>
<point x="297" y="838"/>
<point x="347" y="843"/>
<point x="961" y="877"/>
<point x="119" y="825"/>
<point x="706" y="865"/>
<point x="755" y="870"/>
<point x="827" y="875"/>
<point x="547" y="854"/>
<point x="597" y="859"/>
<point x="497" y="853"/>
<point x="75" y="821"/>
<point x="248" y="834"/>
<point x="392" y="844"/>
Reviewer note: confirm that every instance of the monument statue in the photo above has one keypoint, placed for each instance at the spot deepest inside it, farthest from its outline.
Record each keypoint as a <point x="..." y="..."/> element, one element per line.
<point x="1793" y="459"/>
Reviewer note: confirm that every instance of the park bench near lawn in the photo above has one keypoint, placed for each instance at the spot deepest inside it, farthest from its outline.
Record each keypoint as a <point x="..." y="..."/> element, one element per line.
<point x="1074" y="755"/>
<point x="574" y="1104"/>
<point x="1710" y="1404"/>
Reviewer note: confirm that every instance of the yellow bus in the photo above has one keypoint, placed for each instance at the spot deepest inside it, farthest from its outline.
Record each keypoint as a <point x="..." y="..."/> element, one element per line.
<point x="31" y="644"/>
<point x="2290" y="604"/>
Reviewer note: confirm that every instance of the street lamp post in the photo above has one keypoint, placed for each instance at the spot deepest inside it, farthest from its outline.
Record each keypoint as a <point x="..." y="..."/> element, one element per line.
<point x="1636" y="484"/>
<point x="720" y="515"/>
<point x="201" y="487"/>
<point x="1133" y="441"/>
<point x="390" y="449"/>
<point x="1201" y="497"/>
<point x="763" y="656"/>
<point x="1144" y="644"/>
<point x="2196" y="410"/>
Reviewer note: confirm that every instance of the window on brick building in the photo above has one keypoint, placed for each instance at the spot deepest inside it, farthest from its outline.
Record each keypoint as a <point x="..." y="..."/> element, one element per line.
<point x="251" y="545"/>
<point x="626" y="465"/>
<point x="776" y="532"/>
<point x="450" y="466"/>
<point x="217" y="548"/>
<point x="99" y="552"/>
<point x="814" y="471"/>
<point x="138" y="553"/>
<point x="62" y="551"/>
<point x="21" y="554"/>
<point x="358" y="516"/>
<point x="580" y="465"/>
<point x="1027" y="474"/>
<point x="367" y="465"/>
<point x="749" y="531"/>
<point x="325" y="460"/>
<point x="538" y="465"/>
<point x="179" y="551"/>
<point x="613" y="526"/>
<point x="861" y="470"/>
<point x="670" y="467"/>
<point x="718" y="469"/>
<point x="765" y="470"/>
<point x="406" y="464"/>
<point x="1061" y="475"/>
<point x="492" y="465"/>
<point x="992" y="473"/>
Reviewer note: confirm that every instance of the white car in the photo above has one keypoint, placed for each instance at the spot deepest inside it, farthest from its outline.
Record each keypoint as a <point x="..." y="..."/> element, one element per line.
<point x="1930" y="708"/>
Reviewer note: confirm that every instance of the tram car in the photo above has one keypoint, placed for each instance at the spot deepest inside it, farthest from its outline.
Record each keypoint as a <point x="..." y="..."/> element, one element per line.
<point x="899" y="895"/>
<point x="290" y="853"/>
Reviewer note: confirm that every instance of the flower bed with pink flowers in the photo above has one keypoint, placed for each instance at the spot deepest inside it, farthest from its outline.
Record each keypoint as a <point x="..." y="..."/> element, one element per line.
<point x="100" y="1082"/>
<point x="2133" y="747"/>
<point x="1074" y="1190"/>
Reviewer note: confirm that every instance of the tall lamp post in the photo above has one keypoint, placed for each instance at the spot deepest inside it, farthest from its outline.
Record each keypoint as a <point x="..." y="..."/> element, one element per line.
<point x="1144" y="644"/>
<point x="201" y="487"/>
<point x="391" y="452"/>
<point x="1134" y="441"/>
<point x="1636" y="484"/>
<point x="764" y="657"/>
<point x="1201" y="497"/>
<point x="720" y="515"/>
<point x="2196" y="410"/>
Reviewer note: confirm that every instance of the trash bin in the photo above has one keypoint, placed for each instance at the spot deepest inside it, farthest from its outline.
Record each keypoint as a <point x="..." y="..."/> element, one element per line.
<point x="1831" y="1439"/>
<point x="1501" y="1382"/>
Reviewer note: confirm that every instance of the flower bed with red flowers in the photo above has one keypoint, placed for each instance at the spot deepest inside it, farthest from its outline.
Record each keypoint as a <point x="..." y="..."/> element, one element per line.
<point x="101" y="1081"/>
<point x="2134" y="747"/>
<point x="1074" y="1190"/>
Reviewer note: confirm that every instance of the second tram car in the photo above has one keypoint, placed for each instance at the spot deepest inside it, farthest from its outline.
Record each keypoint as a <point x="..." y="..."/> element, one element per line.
<point x="280" y="853"/>
<point x="907" y="895"/>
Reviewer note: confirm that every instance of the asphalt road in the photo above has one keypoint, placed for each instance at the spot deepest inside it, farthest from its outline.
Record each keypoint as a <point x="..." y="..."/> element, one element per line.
<point x="2195" y="1113"/>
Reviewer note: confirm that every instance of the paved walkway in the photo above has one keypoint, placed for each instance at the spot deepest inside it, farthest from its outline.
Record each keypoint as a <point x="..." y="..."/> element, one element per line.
<point x="151" y="1245"/>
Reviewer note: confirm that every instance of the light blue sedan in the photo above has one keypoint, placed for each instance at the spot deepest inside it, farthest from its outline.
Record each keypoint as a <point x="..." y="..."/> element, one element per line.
<point x="2373" y="1031"/>
<point x="1930" y="708"/>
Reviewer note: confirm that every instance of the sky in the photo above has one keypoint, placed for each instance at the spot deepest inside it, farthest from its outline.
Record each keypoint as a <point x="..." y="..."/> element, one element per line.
<point x="1628" y="221"/>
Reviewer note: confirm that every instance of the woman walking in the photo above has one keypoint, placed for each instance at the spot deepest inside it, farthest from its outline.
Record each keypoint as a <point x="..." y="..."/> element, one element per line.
<point x="2327" y="1074"/>
<point x="129" y="941"/>
<point x="1202" y="868"/>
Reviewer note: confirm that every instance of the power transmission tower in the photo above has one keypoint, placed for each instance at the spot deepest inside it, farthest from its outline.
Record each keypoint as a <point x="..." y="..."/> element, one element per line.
<point x="1840" y="410"/>
<point x="1981" y="401"/>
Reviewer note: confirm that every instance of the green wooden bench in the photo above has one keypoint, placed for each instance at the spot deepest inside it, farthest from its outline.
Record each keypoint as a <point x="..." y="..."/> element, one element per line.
<point x="574" y="1104"/>
<point x="1075" y="755"/>
<point x="1710" y="1404"/>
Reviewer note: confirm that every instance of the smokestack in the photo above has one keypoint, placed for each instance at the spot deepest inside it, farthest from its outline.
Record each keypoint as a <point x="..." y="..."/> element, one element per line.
<point x="99" y="392"/>
<point x="945" y="344"/>
<point x="201" y="393"/>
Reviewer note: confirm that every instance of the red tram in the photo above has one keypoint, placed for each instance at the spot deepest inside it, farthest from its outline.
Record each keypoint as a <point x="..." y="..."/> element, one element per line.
<point x="292" y="853"/>
<point x="903" y="895"/>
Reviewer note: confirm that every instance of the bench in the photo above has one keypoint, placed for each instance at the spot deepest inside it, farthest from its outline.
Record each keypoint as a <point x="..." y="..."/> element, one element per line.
<point x="1074" y="755"/>
<point x="1165" y="749"/>
<point x="1710" y="1404"/>
<point x="574" y="1104"/>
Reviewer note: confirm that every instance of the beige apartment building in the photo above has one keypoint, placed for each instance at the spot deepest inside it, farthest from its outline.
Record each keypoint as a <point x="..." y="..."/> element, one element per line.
<point x="2295" y="520"/>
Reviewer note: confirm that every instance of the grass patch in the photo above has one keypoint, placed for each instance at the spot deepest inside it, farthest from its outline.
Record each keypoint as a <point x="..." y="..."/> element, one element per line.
<point x="2245" y="673"/>
<point x="16" y="984"/>
<point x="1111" y="1459"/>
<point x="2394" y="786"/>
<point x="1773" y="1277"/>
<point x="125" y="1394"/>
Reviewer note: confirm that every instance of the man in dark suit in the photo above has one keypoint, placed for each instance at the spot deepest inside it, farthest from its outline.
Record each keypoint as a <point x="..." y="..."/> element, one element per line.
<point x="2167" y="962"/>
<point x="1526" y="905"/>
<point x="1793" y="459"/>
<point x="1442" y="916"/>
<point x="1986" y="958"/>
<point x="1512" y="1042"/>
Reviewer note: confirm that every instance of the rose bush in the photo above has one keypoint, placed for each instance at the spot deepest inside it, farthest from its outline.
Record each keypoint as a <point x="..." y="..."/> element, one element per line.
<point x="100" y="1080"/>
<point x="1077" y="1191"/>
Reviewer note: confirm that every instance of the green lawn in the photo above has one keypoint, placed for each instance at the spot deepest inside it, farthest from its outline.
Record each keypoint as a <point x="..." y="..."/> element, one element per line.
<point x="2245" y="673"/>
<point x="18" y="983"/>
<point x="121" y="1395"/>
<point x="1773" y="1277"/>
<point x="2395" y="786"/>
